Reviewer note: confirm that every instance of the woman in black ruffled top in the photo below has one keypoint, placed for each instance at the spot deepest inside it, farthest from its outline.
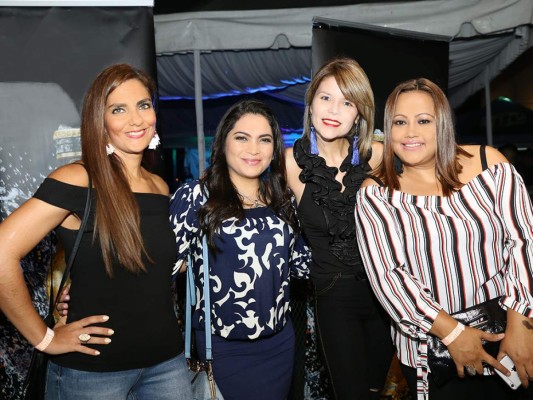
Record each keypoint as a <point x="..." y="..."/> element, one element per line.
<point x="325" y="170"/>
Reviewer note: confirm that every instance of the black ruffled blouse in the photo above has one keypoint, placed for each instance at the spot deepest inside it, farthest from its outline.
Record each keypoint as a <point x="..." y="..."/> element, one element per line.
<point x="337" y="206"/>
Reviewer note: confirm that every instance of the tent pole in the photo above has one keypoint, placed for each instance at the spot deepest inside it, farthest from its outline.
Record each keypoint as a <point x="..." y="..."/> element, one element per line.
<point x="198" y="105"/>
<point x="488" y="109"/>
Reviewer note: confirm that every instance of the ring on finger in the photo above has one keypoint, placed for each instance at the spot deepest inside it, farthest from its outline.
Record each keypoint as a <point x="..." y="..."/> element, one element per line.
<point x="470" y="370"/>
<point x="84" y="337"/>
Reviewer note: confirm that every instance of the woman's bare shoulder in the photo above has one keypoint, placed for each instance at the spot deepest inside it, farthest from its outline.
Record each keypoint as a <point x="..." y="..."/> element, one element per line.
<point x="494" y="156"/>
<point x="289" y="156"/>
<point x="293" y="174"/>
<point x="290" y="162"/>
<point x="474" y="161"/>
<point x="73" y="174"/>
<point x="369" y="182"/>
<point x="377" y="155"/>
<point x="160" y="185"/>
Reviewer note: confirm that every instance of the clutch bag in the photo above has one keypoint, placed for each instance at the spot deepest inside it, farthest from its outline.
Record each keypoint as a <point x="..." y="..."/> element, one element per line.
<point x="487" y="316"/>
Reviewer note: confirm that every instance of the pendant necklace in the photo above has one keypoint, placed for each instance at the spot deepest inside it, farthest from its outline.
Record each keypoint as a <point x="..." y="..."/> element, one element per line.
<point x="253" y="203"/>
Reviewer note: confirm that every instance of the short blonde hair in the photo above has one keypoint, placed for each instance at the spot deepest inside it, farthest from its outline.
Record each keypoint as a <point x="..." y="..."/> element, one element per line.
<point x="355" y="87"/>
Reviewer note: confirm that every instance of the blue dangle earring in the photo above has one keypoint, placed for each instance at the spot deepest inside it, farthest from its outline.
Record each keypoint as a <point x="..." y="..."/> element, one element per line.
<point x="355" y="152"/>
<point x="312" y="139"/>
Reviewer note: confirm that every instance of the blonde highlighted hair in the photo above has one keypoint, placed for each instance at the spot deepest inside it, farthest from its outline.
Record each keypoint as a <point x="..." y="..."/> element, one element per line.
<point x="355" y="87"/>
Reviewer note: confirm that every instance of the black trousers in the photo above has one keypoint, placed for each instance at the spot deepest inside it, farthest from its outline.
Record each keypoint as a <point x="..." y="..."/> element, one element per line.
<point x="468" y="388"/>
<point x="354" y="335"/>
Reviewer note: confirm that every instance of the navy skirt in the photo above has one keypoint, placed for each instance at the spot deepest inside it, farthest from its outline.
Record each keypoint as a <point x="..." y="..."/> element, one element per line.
<point x="259" y="369"/>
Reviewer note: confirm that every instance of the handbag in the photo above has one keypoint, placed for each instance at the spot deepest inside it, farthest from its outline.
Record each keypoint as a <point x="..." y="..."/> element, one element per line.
<point x="35" y="381"/>
<point x="487" y="316"/>
<point x="202" y="379"/>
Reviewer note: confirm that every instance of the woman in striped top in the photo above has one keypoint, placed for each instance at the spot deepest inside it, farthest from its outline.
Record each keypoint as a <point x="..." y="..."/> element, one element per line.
<point x="447" y="228"/>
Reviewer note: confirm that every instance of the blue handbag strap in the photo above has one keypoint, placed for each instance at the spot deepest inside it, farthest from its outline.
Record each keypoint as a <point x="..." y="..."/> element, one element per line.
<point x="191" y="301"/>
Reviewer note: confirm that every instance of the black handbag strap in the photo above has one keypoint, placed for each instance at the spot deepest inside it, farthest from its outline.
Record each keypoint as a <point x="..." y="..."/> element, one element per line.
<point x="483" y="155"/>
<point x="73" y="253"/>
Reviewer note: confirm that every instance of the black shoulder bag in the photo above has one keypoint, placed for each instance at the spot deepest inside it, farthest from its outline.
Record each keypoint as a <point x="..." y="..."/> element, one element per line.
<point x="35" y="382"/>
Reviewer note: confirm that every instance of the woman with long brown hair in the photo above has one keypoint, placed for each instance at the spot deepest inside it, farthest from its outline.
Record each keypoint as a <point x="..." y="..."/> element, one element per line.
<point x="121" y="338"/>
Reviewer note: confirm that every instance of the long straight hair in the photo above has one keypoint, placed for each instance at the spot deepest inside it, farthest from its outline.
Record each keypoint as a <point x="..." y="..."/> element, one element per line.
<point x="447" y="164"/>
<point x="117" y="222"/>
<point x="355" y="87"/>
<point x="223" y="201"/>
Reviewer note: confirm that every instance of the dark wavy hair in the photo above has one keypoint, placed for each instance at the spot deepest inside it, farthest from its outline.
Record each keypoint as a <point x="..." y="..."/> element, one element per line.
<point x="447" y="165"/>
<point x="223" y="201"/>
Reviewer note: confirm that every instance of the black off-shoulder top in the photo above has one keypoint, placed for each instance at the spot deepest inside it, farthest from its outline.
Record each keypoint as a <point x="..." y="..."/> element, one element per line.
<point x="140" y="305"/>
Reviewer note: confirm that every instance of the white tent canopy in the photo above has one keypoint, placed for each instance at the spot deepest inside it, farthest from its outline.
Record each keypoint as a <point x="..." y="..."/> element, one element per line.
<point x="262" y="29"/>
<point x="485" y="35"/>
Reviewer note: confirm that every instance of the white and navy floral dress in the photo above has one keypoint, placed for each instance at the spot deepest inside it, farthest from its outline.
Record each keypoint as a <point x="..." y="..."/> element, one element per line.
<point x="253" y="339"/>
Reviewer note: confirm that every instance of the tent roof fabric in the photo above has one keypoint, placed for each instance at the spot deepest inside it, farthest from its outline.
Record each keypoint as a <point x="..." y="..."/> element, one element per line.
<point x="249" y="51"/>
<point x="263" y="29"/>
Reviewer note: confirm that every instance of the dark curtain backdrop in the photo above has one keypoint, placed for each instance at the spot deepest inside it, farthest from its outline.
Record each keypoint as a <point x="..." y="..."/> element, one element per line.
<point x="388" y="56"/>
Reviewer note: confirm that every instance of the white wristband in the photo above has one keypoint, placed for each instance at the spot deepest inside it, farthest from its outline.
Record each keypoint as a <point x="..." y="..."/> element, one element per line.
<point x="453" y="334"/>
<point x="46" y="340"/>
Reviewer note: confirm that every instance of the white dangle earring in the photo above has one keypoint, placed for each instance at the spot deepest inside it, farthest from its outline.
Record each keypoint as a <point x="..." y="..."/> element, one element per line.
<point x="154" y="142"/>
<point x="109" y="149"/>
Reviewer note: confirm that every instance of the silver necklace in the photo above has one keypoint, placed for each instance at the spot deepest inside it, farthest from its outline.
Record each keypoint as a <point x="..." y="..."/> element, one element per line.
<point x="253" y="203"/>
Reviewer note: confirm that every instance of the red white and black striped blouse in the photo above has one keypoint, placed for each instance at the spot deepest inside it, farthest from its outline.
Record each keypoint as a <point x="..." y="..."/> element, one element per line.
<point x="424" y="253"/>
